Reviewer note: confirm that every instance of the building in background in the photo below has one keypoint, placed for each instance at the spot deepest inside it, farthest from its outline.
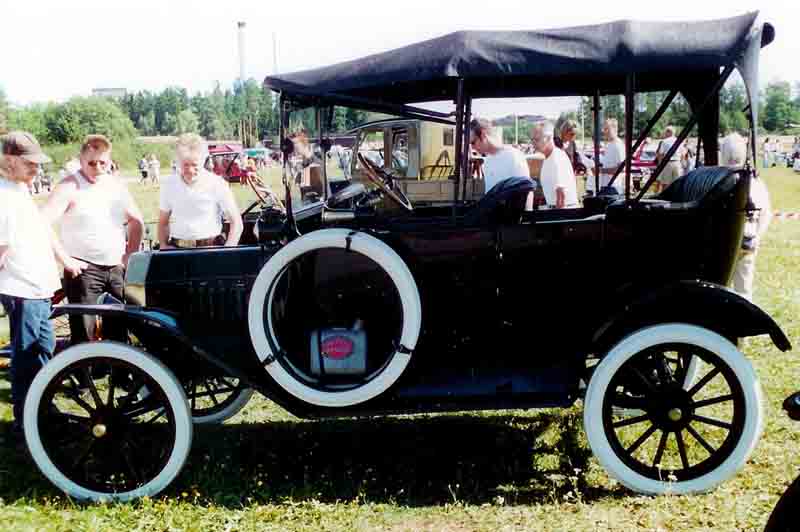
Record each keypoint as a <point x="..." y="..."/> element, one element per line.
<point x="111" y="92"/>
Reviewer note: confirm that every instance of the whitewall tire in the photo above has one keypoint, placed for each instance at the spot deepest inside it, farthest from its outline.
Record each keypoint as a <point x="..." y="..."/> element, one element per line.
<point x="678" y="436"/>
<point x="123" y="418"/>
<point x="263" y="337"/>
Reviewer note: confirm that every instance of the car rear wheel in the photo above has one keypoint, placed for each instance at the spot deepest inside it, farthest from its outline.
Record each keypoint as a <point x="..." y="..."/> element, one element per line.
<point x="216" y="399"/>
<point x="93" y="433"/>
<point x="656" y="434"/>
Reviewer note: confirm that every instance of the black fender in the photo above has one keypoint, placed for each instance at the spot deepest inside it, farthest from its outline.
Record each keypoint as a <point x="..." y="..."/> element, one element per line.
<point x="701" y="303"/>
<point x="163" y="336"/>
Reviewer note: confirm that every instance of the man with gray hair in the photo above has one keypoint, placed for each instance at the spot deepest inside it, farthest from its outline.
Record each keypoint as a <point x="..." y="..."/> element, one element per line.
<point x="193" y="201"/>
<point x="557" y="177"/>
<point x="733" y="154"/>
<point x="500" y="162"/>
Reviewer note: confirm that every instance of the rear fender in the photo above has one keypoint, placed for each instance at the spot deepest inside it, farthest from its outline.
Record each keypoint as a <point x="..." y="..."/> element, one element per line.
<point x="708" y="305"/>
<point x="159" y="333"/>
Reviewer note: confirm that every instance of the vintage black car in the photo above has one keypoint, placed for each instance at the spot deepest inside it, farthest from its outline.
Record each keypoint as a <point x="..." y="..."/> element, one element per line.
<point x="363" y="304"/>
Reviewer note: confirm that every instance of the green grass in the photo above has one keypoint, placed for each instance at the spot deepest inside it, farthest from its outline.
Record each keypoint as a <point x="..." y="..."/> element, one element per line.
<point x="505" y="470"/>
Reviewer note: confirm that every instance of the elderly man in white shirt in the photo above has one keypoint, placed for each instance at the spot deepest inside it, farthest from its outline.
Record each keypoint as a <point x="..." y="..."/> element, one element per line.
<point x="500" y="162"/>
<point x="610" y="160"/>
<point x="557" y="176"/>
<point x="193" y="201"/>
<point x="734" y="152"/>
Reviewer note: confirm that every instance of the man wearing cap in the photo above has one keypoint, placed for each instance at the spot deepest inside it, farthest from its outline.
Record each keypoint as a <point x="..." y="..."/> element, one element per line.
<point x="28" y="270"/>
<point x="94" y="208"/>
<point x="193" y="202"/>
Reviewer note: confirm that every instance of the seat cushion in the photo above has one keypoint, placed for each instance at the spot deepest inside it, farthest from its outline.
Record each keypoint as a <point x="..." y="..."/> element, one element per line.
<point x="504" y="203"/>
<point x="701" y="185"/>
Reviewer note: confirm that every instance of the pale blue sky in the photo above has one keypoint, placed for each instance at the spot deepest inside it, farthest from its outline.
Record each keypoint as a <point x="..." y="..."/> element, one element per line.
<point x="56" y="49"/>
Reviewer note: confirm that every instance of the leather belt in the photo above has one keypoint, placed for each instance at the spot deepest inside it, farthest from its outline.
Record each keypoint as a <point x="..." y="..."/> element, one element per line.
<point x="202" y="242"/>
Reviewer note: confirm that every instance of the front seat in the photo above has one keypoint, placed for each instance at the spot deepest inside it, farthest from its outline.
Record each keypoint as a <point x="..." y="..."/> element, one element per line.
<point x="503" y="204"/>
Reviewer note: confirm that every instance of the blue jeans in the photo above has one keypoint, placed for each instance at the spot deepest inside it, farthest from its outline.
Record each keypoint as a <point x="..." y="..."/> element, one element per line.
<point x="32" y="344"/>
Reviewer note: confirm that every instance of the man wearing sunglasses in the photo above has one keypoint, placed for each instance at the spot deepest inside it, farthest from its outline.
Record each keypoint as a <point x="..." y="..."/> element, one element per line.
<point x="101" y="225"/>
<point x="500" y="161"/>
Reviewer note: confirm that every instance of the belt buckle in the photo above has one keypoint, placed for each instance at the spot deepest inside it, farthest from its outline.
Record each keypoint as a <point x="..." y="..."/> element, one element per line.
<point x="185" y="243"/>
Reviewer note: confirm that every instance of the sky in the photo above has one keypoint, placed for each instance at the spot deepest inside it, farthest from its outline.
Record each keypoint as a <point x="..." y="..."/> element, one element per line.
<point x="53" y="50"/>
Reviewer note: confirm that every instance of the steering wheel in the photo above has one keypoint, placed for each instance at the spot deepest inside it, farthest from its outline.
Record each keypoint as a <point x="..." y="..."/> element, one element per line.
<point x="384" y="181"/>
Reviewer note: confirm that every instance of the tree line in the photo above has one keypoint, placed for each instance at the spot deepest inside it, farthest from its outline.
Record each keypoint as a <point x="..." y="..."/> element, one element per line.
<point x="247" y="111"/>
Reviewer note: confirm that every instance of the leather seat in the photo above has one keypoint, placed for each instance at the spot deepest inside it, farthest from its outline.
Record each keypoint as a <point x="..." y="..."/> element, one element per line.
<point x="702" y="185"/>
<point x="503" y="204"/>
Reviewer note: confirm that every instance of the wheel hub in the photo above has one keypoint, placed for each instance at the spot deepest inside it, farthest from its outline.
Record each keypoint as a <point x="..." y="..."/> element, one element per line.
<point x="675" y="414"/>
<point x="99" y="430"/>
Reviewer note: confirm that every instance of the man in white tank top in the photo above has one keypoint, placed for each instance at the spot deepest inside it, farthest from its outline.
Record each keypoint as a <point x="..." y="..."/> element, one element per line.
<point x="100" y="225"/>
<point x="193" y="201"/>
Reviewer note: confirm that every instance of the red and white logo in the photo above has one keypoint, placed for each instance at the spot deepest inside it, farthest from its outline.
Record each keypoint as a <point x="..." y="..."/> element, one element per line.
<point x="337" y="347"/>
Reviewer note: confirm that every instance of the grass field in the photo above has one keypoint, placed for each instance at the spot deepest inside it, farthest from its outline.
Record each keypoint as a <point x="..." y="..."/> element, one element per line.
<point x="505" y="470"/>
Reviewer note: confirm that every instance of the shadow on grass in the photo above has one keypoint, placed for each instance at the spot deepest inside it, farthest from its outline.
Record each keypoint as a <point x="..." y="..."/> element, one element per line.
<point x="413" y="462"/>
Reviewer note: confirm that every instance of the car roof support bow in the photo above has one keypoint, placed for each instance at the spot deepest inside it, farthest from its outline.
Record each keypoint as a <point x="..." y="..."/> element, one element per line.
<point x="686" y="130"/>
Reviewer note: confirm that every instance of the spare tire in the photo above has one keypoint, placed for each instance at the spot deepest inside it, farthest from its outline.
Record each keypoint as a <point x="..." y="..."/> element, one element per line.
<point x="260" y="319"/>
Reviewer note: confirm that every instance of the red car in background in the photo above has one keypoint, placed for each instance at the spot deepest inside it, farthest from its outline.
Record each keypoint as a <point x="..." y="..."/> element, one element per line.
<point x="226" y="160"/>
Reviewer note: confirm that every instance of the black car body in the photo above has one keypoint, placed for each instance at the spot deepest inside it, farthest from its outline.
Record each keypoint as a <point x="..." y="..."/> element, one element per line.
<point x="361" y="305"/>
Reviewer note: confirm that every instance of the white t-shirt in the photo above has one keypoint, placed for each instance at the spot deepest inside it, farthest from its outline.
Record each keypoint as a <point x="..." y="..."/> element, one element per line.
<point x="29" y="269"/>
<point x="557" y="173"/>
<point x="507" y="162"/>
<point x="666" y="145"/>
<point x="93" y="228"/>
<point x="196" y="210"/>
<point x="609" y="162"/>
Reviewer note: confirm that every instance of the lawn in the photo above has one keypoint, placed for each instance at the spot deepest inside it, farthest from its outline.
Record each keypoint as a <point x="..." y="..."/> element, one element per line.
<point x="505" y="470"/>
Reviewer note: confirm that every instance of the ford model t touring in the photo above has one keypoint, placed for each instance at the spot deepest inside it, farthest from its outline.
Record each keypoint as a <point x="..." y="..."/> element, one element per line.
<point x="363" y="303"/>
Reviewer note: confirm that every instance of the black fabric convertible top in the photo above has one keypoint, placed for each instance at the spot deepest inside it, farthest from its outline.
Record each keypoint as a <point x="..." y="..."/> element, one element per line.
<point x="566" y="61"/>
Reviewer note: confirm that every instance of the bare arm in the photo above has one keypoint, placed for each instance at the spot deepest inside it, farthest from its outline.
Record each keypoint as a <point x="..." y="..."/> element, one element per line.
<point x="231" y="211"/>
<point x="163" y="229"/>
<point x="135" y="231"/>
<point x="60" y="200"/>
<point x="3" y="254"/>
<point x="560" y="198"/>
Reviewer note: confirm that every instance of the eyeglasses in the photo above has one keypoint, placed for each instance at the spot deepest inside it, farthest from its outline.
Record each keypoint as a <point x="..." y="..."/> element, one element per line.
<point x="95" y="164"/>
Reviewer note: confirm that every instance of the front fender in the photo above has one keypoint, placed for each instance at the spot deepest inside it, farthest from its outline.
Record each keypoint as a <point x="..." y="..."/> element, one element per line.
<point x="158" y="331"/>
<point x="701" y="303"/>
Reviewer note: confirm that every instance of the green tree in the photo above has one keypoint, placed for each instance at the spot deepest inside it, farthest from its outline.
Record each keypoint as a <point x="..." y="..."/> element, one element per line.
<point x="147" y="123"/>
<point x="778" y="110"/>
<point x="31" y="119"/>
<point x="187" y="122"/>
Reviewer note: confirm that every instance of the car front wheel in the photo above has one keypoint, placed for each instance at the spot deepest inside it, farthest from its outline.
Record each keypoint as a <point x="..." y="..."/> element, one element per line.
<point x="93" y="433"/>
<point x="657" y="428"/>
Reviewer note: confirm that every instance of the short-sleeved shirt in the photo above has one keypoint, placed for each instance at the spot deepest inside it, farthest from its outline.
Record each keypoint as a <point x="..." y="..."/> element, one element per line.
<point x="507" y="162"/>
<point x="557" y="173"/>
<point x="666" y="145"/>
<point x="29" y="270"/>
<point x="196" y="210"/>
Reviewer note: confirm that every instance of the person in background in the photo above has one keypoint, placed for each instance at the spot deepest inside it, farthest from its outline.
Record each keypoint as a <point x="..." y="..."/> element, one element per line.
<point x="673" y="169"/>
<point x="101" y="226"/>
<point x="154" y="169"/>
<point x="28" y="270"/>
<point x="143" y="165"/>
<point x="192" y="202"/>
<point x="734" y="152"/>
<point x="500" y="162"/>
<point x="610" y="160"/>
<point x="566" y="141"/>
<point x="766" y="149"/>
<point x="557" y="177"/>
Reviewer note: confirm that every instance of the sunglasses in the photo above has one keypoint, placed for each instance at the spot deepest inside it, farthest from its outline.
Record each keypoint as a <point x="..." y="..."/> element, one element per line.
<point x="95" y="164"/>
